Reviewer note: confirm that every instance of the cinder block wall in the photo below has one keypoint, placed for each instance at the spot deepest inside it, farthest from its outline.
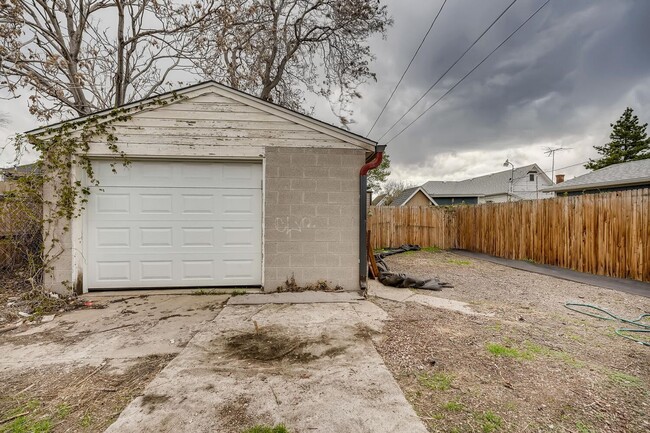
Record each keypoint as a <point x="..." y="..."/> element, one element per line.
<point x="312" y="216"/>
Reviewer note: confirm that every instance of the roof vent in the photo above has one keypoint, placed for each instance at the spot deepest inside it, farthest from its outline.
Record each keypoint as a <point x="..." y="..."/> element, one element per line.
<point x="559" y="178"/>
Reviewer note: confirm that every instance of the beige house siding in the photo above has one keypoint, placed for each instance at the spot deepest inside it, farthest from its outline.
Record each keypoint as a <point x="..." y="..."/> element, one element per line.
<point x="311" y="181"/>
<point x="419" y="200"/>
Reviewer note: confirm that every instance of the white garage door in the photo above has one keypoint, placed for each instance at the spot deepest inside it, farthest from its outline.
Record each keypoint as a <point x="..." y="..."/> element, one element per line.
<point x="175" y="224"/>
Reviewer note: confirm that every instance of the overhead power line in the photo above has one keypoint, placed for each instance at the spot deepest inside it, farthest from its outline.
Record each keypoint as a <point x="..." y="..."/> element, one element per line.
<point x="470" y="72"/>
<point x="448" y="69"/>
<point x="407" y="67"/>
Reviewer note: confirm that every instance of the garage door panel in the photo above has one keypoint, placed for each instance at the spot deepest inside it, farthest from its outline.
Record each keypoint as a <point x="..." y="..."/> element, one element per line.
<point x="179" y="174"/>
<point x="161" y="204"/>
<point x="174" y="235"/>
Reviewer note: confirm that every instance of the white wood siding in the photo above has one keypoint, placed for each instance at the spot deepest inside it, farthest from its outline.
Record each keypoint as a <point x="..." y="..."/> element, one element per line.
<point x="214" y="123"/>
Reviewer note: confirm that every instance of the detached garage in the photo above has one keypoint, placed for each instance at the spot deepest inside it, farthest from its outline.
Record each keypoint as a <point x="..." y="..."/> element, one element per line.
<point x="223" y="190"/>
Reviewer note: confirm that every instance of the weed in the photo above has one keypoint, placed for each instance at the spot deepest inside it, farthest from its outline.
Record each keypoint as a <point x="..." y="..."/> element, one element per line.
<point x="436" y="381"/>
<point x="238" y="292"/>
<point x="86" y="421"/>
<point x="533" y="261"/>
<point x="583" y="428"/>
<point x="204" y="292"/>
<point x="507" y="352"/>
<point x="24" y="425"/>
<point x="625" y="380"/>
<point x="459" y="262"/>
<point x="453" y="406"/>
<point x="280" y="428"/>
<point x="433" y="249"/>
<point x="63" y="410"/>
<point x="489" y="421"/>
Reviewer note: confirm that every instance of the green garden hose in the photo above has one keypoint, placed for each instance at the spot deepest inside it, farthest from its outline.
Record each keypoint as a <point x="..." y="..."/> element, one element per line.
<point x="640" y="327"/>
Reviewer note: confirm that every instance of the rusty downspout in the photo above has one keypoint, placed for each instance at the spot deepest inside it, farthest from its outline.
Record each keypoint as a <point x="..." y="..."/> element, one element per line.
<point x="372" y="163"/>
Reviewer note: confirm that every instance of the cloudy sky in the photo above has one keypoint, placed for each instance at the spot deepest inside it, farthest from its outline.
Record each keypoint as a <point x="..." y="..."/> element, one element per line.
<point x="559" y="81"/>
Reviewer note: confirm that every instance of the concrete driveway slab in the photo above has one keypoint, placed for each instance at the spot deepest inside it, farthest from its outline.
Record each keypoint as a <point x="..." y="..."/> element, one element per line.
<point x="312" y="367"/>
<point x="375" y="288"/>
<point x="126" y="328"/>
<point x="295" y="298"/>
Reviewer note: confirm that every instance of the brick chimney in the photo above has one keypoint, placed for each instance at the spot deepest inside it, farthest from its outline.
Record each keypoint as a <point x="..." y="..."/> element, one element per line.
<point x="559" y="178"/>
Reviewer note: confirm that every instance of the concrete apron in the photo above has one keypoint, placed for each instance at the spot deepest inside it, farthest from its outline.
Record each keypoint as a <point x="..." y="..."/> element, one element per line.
<point x="312" y="367"/>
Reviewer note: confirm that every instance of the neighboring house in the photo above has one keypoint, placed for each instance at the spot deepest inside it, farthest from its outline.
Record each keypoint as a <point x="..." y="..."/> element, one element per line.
<point x="617" y="177"/>
<point x="8" y="176"/>
<point x="380" y="200"/>
<point x="224" y="190"/>
<point x="413" y="197"/>
<point x="523" y="183"/>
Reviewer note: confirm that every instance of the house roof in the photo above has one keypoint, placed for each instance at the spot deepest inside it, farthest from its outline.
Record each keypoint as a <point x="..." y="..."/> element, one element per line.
<point x="623" y="174"/>
<point x="490" y="184"/>
<point x="378" y="199"/>
<point x="243" y="97"/>
<point x="19" y="170"/>
<point x="408" y="194"/>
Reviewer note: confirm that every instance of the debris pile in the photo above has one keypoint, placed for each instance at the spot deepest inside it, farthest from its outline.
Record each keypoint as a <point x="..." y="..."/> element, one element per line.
<point x="393" y="279"/>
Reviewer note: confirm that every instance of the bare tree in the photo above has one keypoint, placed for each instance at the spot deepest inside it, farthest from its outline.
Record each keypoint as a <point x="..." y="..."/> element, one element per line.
<point x="281" y="49"/>
<point x="75" y="57"/>
<point x="393" y="188"/>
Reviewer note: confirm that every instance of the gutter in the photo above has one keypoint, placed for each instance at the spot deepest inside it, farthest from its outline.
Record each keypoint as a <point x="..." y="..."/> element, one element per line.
<point x="371" y="163"/>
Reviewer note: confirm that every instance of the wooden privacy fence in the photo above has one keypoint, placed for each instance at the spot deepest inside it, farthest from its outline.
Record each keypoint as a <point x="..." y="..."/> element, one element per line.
<point x="606" y="234"/>
<point x="424" y="226"/>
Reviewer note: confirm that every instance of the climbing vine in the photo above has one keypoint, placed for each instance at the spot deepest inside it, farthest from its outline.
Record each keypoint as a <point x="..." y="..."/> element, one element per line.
<point x="64" y="149"/>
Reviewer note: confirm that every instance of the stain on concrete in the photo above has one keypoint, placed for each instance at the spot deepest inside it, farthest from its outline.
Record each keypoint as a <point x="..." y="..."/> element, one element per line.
<point x="150" y="402"/>
<point x="276" y="343"/>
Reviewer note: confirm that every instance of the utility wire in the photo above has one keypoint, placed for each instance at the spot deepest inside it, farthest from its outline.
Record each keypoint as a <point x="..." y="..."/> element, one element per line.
<point x="468" y="74"/>
<point x="448" y="69"/>
<point x="407" y="67"/>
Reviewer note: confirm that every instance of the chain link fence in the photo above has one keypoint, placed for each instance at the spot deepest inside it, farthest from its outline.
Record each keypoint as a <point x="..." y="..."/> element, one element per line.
<point x="20" y="233"/>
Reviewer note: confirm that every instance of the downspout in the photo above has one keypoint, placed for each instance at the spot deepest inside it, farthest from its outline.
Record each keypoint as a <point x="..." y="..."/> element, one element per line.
<point x="373" y="162"/>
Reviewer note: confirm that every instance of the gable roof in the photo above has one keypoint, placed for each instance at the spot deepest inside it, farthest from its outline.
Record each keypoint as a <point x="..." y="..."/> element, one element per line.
<point x="239" y="96"/>
<point x="379" y="199"/>
<point x="490" y="184"/>
<point x="406" y="195"/>
<point x="622" y="174"/>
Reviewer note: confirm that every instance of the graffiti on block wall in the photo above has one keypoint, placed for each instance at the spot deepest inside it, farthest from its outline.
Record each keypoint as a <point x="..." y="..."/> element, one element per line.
<point x="292" y="224"/>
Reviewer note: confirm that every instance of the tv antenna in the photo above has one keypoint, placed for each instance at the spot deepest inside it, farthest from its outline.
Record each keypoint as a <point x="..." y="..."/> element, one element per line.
<point x="550" y="151"/>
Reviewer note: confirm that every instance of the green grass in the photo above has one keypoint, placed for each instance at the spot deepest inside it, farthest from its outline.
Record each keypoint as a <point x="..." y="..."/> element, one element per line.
<point x="490" y="421"/>
<point x="86" y="421"/>
<point x="280" y="428"/>
<point x="433" y="249"/>
<point x="536" y="349"/>
<point x="530" y="351"/>
<point x="24" y="423"/>
<point x="625" y="380"/>
<point x="436" y="381"/>
<point x="583" y="428"/>
<point x="453" y="406"/>
<point x="63" y="410"/>
<point x="507" y="352"/>
<point x="459" y="262"/>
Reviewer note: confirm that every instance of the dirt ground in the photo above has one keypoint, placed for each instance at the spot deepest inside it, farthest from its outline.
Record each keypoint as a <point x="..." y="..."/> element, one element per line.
<point x="534" y="366"/>
<point x="77" y="373"/>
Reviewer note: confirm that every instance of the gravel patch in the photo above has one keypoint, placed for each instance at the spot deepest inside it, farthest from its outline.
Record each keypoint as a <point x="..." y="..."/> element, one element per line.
<point x="535" y="366"/>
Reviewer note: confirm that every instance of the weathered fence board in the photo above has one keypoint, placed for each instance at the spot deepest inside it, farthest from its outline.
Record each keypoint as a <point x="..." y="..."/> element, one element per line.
<point x="394" y="226"/>
<point x="604" y="234"/>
